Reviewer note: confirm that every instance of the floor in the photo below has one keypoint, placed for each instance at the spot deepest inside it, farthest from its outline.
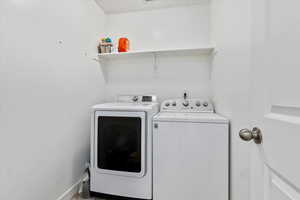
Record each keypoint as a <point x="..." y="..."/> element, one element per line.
<point x="77" y="197"/>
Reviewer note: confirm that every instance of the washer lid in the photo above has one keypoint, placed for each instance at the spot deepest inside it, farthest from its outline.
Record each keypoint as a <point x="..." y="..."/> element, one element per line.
<point x="190" y="117"/>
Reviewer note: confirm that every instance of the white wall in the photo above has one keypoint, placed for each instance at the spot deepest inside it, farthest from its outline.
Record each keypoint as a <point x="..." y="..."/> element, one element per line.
<point x="163" y="28"/>
<point x="183" y="27"/>
<point x="46" y="89"/>
<point x="230" y="81"/>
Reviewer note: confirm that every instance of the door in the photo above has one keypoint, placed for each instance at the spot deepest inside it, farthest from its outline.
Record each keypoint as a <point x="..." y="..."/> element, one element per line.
<point x="190" y="161"/>
<point x="275" y="163"/>
<point x="120" y="143"/>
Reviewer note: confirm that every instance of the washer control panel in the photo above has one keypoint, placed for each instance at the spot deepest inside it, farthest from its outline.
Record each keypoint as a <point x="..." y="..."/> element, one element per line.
<point x="187" y="105"/>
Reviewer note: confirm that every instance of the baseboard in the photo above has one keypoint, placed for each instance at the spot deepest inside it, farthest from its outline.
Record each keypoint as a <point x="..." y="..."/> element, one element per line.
<point x="69" y="193"/>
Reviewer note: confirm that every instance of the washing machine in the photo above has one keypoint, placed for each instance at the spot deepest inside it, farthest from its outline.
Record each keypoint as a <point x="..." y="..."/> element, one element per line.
<point x="190" y="151"/>
<point x="121" y="147"/>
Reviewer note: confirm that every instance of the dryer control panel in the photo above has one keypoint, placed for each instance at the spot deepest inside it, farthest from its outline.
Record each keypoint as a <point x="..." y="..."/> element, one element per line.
<point x="187" y="105"/>
<point x="137" y="98"/>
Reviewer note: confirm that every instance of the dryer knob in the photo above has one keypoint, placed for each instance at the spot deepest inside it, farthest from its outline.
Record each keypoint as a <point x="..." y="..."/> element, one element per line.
<point x="135" y="98"/>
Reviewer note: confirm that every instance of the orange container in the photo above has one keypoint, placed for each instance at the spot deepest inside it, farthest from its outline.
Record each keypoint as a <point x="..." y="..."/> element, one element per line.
<point x="123" y="45"/>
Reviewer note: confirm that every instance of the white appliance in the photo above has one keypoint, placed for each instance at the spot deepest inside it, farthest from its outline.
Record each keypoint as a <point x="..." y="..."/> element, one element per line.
<point x="121" y="147"/>
<point x="190" y="152"/>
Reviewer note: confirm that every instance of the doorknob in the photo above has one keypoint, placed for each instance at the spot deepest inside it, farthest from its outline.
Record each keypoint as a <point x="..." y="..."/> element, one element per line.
<point x="255" y="134"/>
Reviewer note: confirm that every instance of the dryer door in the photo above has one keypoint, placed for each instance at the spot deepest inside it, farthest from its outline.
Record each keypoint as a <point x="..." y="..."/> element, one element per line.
<point x="120" y="143"/>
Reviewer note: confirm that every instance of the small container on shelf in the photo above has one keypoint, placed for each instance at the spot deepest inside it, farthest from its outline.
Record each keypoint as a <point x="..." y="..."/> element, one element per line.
<point x="105" y="46"/>
<point x="124" y="45"/>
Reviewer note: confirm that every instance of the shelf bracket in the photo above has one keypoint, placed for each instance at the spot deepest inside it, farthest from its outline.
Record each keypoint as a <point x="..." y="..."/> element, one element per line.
<point x="96" y="59"/>
<point x="155" y="65"/>
<point x="101" y="64"/>
<point x="215" y="52"/>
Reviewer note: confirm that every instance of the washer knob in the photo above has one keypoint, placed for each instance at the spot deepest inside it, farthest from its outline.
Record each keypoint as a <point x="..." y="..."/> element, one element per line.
<point x="167" y="104"/>
<point x="205" y="104"/>
<point x="198" y="104"/>
<point x="174" y="103"/>
<point x="185" y="103"/>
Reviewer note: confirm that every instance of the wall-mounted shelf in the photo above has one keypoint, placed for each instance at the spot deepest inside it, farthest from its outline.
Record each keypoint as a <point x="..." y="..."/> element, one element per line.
<point x="102" y="58"/>
<point x="187" y="51"/>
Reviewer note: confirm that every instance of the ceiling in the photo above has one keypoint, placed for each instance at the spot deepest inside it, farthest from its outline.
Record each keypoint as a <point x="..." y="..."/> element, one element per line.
<point x="120" y="6"/>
